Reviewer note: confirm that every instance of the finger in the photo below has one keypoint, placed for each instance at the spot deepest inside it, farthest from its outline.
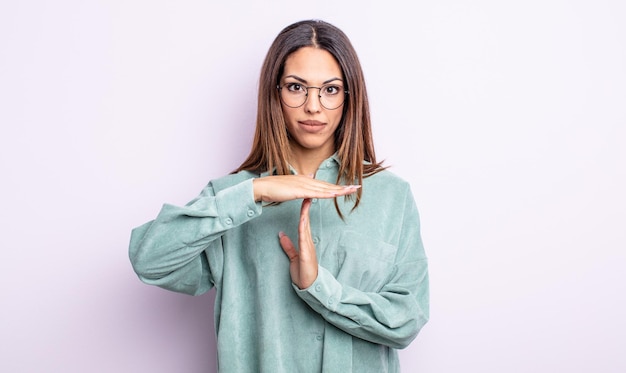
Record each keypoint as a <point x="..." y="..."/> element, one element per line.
<point x="349" y="189"/>
<point x="307" y="257"/>
<point x="287" y="245"/>
<point x="304" y="210"/>
<point x="330" y="191"/>
<point x="304" y="228"/>
<point x="323" y="185"/>
<point x="305" y="239"/>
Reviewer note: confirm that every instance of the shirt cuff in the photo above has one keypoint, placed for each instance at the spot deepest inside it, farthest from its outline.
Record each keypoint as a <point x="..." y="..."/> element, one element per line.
<point x="325" y="292"/>
<point x="236" y="204"/>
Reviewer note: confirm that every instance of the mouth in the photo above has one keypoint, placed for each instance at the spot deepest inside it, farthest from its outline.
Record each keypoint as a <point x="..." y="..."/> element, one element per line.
<point x="312" y="123"/>
<point x="312" y="126"/>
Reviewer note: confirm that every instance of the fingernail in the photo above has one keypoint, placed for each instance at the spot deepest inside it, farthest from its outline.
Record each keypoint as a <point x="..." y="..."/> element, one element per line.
<point x="281" y="234"/>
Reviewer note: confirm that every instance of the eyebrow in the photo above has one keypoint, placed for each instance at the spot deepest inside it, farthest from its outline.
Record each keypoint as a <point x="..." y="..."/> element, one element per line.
<point x="301" y="80"/>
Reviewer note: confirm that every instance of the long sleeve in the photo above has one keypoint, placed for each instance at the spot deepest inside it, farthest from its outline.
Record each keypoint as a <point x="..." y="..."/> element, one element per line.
<point x="392" y="315"/>
<point x="370" y="297"/>
<point x="169" y="251"/>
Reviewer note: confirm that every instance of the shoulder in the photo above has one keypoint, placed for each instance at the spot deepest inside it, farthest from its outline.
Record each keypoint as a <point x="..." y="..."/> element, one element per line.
<point x="386" y="179"/>
<point x="386" y="188"/>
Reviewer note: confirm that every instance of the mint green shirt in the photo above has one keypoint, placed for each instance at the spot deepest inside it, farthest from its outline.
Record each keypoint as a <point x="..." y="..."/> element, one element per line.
<point x="370" y="297"/>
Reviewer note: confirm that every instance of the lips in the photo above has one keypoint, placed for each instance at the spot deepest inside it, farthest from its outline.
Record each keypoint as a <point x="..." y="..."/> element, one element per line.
<point x="311" y="123"/>
<point x="312" y="126"/>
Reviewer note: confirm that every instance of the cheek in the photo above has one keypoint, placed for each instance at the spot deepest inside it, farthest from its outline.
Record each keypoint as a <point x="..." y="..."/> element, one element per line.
<point x="288" y="116"/>
<point x="287" y="111"/>
<point x="336" y="118"/>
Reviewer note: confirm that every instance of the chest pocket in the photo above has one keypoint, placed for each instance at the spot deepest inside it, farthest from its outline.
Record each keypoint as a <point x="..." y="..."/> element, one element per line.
<point x="363" y="263"/>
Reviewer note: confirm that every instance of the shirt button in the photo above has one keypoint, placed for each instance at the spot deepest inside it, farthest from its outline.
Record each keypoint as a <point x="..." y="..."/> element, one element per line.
<point x="329" y="164"/>
<point x="331" y="301"/>
<point x="316" y="240"/>
<point x="314" y="200"/>
<point x="228" y="221"/>
<point x="250" y="213"/>
<point x="318" y="287"/>
<point x="319" y="337"/>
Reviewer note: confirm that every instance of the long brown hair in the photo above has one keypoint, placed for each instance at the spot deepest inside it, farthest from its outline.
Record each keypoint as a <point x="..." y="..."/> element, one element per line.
<point x="353" y="138"/>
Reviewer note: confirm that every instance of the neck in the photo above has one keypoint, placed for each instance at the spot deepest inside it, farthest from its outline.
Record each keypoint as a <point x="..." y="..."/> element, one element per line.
<point x="307" y="161"/>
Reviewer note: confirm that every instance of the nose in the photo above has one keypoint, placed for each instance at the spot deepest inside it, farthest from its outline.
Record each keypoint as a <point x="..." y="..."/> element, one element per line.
<point x="313" y="102"/>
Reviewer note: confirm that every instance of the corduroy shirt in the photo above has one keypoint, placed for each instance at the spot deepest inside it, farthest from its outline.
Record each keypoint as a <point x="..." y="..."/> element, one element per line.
<point x="370" y="297"/>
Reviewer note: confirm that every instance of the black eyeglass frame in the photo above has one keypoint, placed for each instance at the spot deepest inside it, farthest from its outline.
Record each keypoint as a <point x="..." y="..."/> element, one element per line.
<point x="279" y="87"/>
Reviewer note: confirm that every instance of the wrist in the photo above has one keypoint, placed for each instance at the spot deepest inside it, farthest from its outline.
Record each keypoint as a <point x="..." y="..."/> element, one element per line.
<point x="255" y="190"/>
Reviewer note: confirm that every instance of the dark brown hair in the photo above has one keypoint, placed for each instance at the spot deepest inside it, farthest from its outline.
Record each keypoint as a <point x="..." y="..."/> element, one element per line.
<point x="353" y="137"/>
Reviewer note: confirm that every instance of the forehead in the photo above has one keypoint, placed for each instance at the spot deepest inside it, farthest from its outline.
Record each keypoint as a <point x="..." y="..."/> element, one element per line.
<point x="312" y="64"/>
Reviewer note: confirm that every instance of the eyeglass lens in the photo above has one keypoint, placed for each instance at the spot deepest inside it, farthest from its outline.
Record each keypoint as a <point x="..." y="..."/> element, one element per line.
<point x="295" y="95"/>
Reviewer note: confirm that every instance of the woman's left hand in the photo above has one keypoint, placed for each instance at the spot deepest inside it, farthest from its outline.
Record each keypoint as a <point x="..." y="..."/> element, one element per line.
<point x="303" y="263"/>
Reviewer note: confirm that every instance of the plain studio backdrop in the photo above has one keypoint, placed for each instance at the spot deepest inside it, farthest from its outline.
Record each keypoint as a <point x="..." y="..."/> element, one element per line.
<point x="507" y="118"/>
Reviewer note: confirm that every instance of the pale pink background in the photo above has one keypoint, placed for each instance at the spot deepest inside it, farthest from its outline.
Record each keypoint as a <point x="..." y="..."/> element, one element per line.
<point x="508" y="119"/>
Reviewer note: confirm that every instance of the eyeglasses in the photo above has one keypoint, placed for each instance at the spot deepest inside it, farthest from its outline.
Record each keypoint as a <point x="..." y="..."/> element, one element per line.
<point x="295" y="95"/>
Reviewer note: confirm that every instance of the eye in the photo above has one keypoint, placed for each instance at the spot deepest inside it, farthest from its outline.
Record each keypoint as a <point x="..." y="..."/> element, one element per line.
<point x="295" y="87"/>
<point x="331" y="90"/>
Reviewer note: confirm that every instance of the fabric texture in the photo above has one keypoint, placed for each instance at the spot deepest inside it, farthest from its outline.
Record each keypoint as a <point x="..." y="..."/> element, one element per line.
<point x="370" y="298"/>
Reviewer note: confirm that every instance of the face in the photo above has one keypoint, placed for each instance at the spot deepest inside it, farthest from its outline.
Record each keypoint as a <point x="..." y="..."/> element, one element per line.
<point x="312" y="126"/>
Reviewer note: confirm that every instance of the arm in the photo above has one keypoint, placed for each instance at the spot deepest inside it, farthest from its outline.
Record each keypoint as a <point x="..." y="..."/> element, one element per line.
<point x="167" y="251"/>
<point x="392" y="316"/>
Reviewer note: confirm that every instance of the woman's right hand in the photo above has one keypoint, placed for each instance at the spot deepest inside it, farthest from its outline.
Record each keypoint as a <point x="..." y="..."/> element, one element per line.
<point x="289" y="187"/>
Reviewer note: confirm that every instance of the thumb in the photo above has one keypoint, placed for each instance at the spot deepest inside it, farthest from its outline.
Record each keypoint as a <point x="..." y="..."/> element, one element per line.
<point x="287" y="245"/>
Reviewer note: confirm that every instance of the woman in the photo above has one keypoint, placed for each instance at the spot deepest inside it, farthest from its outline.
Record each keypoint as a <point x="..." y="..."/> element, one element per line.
<point x="352" y="286"/>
